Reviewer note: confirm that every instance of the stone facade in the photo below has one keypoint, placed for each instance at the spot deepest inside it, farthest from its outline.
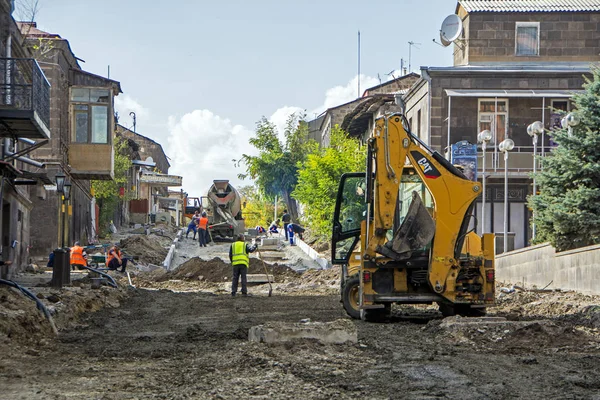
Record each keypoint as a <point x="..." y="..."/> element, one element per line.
<point x="563" y="37"/>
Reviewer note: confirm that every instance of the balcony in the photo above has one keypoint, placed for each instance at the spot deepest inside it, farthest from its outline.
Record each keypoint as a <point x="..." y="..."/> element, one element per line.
<point x="520" y="161"/>
<point x="24" y="99"/>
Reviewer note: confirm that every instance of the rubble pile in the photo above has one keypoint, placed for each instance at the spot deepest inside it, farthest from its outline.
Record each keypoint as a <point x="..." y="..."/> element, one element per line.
<point x="146" y="249"/>
<point x="217" y="271"/>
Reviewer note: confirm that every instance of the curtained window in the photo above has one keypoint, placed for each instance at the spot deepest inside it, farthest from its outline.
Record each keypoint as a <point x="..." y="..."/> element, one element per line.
<point x="527" y="39"/>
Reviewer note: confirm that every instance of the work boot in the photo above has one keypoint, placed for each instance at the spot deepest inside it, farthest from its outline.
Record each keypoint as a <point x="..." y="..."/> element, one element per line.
<point x="232" y="294"/>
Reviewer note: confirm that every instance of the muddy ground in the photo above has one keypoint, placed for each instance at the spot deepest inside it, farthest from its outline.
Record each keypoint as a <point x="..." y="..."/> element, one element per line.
<point x="191" y="343"/>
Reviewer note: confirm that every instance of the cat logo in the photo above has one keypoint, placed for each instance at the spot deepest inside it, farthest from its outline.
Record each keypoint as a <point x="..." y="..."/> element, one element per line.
<point x="426" y="166"/>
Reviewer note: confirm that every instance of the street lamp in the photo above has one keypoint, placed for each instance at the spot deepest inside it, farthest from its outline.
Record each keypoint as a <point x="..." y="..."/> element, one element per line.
<point x="505" y="146"/>
<point x="483" y="137"/>
<point x="569" y="121"/>
<point x="60" y="182"/>
<point x="533" y="130"/>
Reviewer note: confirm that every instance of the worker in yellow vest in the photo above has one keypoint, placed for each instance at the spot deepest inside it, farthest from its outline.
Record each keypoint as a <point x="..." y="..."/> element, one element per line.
<point x="238" y="255"/>
<point x="78" y="256"/>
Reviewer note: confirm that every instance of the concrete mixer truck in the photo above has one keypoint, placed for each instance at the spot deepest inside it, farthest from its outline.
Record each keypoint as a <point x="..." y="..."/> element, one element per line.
<point x="223" y="207"/>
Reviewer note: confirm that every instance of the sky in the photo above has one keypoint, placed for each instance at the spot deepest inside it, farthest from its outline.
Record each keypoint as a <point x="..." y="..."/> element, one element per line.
<point x="200" y="74"/>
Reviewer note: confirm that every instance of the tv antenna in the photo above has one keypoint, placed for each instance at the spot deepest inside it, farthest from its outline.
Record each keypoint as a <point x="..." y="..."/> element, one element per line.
<point x="410" y="46"/>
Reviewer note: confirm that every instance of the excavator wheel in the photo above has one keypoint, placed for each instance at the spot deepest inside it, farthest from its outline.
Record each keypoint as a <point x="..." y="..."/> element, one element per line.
<point x="378" y="314"/>
<point x="446" y="309"/>
<point x="350" y="296"/>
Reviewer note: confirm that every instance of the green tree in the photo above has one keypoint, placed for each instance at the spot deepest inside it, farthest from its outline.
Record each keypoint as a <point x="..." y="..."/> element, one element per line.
<point x="275" y="168"/>
<point x="258" y="210"/>
<point x="567" y="208"/>
<point x="107" y="192"/>
<point x="319" y="178"/>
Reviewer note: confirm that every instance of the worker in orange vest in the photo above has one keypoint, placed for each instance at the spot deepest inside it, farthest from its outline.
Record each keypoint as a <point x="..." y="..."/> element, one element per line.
<point x="114" y="259"/>
<point x="78" y="256"/>
<point x="203" y="230"/>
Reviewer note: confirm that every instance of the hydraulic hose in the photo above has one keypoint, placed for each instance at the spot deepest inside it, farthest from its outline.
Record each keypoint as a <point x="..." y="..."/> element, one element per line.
<point x="112" y="282"/>
<point x="38" y="302"/>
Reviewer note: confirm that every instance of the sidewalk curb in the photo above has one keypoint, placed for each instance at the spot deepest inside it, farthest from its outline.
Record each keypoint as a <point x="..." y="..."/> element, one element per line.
<point x="312" y="253"/>
<point x="171" y="254"/>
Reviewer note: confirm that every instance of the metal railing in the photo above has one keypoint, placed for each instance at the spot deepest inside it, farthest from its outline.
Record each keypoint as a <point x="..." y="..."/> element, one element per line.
<point x="520" y="159"/>
<point x="23" y="86"/>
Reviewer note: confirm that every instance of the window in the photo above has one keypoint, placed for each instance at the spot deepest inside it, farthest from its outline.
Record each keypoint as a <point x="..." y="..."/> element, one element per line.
<point x="419" y="123"/>
<point x="487" y="111"/>
<point x="90" y="112"/>
<point x="527" y="39"/>
<point x="556" y="106"/>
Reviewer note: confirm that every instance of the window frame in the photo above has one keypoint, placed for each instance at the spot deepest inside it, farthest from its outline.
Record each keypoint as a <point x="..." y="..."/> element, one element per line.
<point x="493" y="114"/>
<point x="527" y="25"/>
<point x="89" y="113"/>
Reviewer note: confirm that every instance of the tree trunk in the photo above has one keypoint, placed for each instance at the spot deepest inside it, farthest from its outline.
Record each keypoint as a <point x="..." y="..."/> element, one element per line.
<point x="292" y="206"/>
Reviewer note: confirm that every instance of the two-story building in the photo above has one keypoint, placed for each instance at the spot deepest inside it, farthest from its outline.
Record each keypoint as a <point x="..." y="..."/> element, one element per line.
<point x="24" y="126"/>
<point x="515" y="63"/>
<point x="81" y="147"/>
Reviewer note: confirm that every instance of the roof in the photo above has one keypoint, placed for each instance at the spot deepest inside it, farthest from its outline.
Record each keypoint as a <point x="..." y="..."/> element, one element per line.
<point x="551" y="93"/>
<point x="390" y="82"/>
<point x="473" y="6"/>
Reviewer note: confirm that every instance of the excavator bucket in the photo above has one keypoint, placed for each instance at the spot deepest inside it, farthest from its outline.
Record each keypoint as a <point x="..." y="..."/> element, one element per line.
<point x="416" y="231"/>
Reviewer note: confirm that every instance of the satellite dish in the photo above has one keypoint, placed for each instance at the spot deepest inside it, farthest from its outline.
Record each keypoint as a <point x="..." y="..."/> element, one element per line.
<point x="444" y="41"/>
<point x="451" y="28"/>
<point x="149" y="160"/>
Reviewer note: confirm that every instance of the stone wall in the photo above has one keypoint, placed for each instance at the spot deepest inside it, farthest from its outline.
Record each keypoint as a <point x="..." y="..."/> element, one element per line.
<point x="540" y="265"/>
<point x="568" y="37"/>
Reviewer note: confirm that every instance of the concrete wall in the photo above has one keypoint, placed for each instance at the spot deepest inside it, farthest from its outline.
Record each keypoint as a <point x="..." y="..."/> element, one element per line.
<point x="539" y="265"/>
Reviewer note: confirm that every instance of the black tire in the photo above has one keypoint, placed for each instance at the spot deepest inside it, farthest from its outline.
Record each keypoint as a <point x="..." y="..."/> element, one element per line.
<point x="378" y="314"/>
<point x="350" y="296"/>
<point x="446" y="309"/>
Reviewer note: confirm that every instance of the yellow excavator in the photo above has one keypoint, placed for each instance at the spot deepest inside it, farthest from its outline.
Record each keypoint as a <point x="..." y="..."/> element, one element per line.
<point x="401" y="231"/>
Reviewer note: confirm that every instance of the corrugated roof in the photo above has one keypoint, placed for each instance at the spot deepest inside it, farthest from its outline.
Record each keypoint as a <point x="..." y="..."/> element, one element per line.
<point x="530" y="5"/>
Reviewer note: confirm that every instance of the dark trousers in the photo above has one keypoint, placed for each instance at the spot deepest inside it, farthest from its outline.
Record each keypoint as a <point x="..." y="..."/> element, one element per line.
<point x="285" y="225"/>
<point x="114" y="264"/>
<point x="191" y="228"/>
<point x="202" y="235"/>
<point x="239" y="270"/>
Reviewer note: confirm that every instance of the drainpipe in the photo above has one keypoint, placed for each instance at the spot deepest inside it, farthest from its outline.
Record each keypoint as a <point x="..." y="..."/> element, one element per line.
<point x="427" y="78"/>
<point x="26" y="160"/>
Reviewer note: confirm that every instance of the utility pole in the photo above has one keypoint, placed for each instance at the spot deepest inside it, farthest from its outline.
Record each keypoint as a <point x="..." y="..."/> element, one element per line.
<point x="410" y="46"/>
<point x="358" y="78"/>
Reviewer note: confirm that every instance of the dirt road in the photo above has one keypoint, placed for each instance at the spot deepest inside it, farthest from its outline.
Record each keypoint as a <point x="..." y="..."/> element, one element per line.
<point x="166" y="345"/>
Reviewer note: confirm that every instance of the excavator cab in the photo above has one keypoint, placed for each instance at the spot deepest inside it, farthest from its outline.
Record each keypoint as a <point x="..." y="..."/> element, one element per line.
<point x="401" y="231"/>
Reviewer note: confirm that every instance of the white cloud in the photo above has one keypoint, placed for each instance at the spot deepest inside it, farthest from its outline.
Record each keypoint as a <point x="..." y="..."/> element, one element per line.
<point x="280" y="117"/>
<point x="339" y="95"/>
<point x="124" y="104"/>
<point x="202" y="146"/>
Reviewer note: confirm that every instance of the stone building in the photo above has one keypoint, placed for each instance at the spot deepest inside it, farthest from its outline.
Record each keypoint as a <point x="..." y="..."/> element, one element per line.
<point x="148" y="179"/>
<point x="24" y="126"/>
<point x="81" y="146"/>
<point x="515" y="63"/>
<point x="371" y="101"/>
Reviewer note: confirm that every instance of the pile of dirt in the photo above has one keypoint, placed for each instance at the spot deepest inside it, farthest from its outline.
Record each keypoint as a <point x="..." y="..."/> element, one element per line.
<point x="149" y="250"/>
<point x="216" y="270"/>
<point x="19" y="319"/>
<point x="324" y="277"/>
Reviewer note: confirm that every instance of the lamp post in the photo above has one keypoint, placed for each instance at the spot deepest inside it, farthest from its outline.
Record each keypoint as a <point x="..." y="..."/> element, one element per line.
<point x="505" y="146"/>
<point x="66" y="195"/>
<point x="483" y="137"/>
<point x="534" y="130"/>
<point x="569" y="121"/>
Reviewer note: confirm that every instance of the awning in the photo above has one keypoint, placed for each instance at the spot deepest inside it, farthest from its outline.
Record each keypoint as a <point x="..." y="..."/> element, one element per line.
<point x="511" y="93"/>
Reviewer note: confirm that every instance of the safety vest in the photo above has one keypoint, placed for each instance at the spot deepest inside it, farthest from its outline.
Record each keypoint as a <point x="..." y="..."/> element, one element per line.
<point x="239" y="254"/>
<point x="111" y="255"/>
<point x="77" y="256"/>
<point x="203" y="223"/>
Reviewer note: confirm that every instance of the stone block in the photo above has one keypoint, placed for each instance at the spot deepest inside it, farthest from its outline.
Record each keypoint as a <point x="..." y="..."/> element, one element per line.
<point x="269" y="242"/>
<point x="335" y="332"/>
<point x="259" y="278"/>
